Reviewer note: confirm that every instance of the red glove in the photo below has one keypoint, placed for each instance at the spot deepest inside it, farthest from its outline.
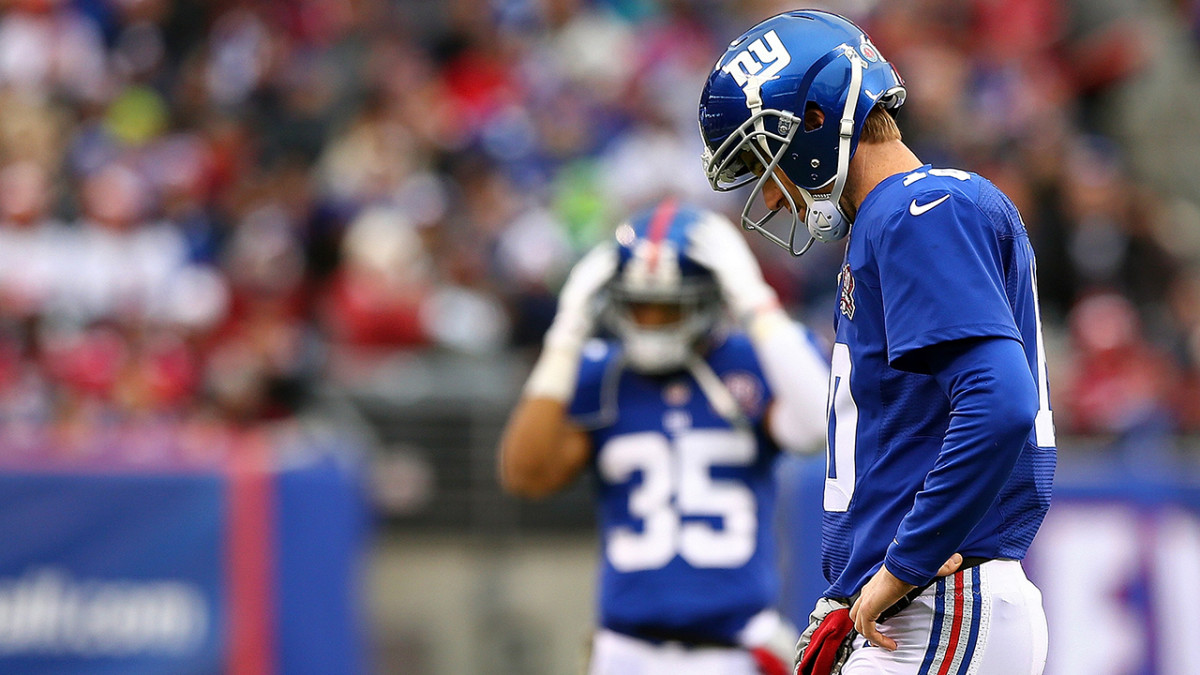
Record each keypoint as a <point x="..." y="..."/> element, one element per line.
<point x="829" y="645"/>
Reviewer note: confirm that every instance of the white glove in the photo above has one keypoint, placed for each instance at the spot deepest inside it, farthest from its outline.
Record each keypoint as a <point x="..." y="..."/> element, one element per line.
<point x="576" y="315"/>
<point x="718" y="245"/>
<point x="557" y="369"/>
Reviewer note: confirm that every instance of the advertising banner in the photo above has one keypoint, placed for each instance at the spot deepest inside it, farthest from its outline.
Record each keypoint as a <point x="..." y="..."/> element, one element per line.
<point x="111" y="573"/>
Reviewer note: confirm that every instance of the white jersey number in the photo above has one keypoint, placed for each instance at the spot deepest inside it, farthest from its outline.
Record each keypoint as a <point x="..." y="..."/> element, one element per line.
<point x="843" y="433"/>
<point x="1044" y="424"/>
<point x="677" y="482"/>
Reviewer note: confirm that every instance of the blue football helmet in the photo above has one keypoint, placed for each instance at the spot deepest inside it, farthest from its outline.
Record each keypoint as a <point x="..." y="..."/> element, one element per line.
<point x="653" y="268"/>
<point x="753" y="106"/>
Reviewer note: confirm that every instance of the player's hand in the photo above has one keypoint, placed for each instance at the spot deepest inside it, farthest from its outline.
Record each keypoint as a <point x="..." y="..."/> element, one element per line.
<point x="555" y="374"/>
<point x="718" y="245"/>
<point x="881" y="592"/>
<point x="576" y="316"/>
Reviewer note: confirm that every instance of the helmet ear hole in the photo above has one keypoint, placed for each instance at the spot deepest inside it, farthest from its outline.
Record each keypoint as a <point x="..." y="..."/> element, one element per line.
<point x="814" y="117"/>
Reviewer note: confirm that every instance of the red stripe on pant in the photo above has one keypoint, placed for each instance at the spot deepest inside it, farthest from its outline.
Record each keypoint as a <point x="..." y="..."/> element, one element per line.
<point x="956" y="627"/>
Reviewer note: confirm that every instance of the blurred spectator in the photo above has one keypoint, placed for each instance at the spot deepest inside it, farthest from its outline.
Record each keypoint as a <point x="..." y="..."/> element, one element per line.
<point x="386" y="276"/>
<point x="1119" y="383"/>
<point x="1184" y="300"/>
<point x="47" y="48"/>
<point x="28" y="238"/>
<point x="201" y="203"/>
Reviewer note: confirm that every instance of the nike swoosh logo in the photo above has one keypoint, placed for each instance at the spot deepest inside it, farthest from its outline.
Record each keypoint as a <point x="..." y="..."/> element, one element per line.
<point x="917" y="209"/>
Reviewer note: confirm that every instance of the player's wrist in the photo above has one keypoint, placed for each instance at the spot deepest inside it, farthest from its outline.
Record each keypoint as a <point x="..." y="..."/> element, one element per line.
<point x="748" y="304"/>
<point x="766" y="320"/>
<point x="556" y="371"/>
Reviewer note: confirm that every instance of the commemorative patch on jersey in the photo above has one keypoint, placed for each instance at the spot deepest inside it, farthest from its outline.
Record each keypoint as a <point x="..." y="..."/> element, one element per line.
<point x="846" y="301"/>
<point x="745" y="390"/>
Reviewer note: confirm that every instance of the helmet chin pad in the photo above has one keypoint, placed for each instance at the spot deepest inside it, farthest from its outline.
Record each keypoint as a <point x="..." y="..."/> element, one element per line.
<point x="825" y="220"/>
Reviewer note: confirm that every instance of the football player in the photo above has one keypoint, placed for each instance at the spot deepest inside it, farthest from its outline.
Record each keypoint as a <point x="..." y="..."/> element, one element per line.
<point x="680" y="422"/>
<point x="940" y="437"/>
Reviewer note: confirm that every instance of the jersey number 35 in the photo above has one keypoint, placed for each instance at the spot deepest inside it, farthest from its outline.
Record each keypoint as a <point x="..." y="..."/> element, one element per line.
<point x="677" y="483"/>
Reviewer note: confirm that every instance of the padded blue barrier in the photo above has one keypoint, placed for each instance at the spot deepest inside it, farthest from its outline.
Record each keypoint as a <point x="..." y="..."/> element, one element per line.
<point x="131" y="569"/>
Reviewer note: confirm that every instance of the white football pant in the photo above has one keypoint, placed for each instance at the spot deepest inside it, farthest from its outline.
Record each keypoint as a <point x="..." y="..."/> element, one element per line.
<point x="986" y="620"/>
<point x="617" y="654"/>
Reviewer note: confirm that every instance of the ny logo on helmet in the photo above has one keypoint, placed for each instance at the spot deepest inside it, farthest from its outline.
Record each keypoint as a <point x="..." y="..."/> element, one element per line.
<point x="747" y="68"/>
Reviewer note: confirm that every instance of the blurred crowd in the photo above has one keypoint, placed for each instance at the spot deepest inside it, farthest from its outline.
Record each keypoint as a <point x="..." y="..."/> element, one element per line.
<point x="208" y="206"/>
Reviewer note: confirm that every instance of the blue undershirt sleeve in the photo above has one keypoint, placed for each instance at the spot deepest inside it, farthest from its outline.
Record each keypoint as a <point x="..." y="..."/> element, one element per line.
<point x="994" y="401"/>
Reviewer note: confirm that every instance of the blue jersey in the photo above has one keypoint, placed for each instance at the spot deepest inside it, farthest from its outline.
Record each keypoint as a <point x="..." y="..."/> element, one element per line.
<point x="935" y="256"/>
<point x="684" y="498"/>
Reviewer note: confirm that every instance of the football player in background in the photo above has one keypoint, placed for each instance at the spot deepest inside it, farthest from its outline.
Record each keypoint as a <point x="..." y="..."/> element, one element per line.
<point x="680" y="422"/>
<point x="940" y="430"/>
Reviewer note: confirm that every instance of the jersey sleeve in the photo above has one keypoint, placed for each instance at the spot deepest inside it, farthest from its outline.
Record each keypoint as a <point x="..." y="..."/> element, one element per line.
<point x="994" y="401"/>
<point x="587" y="407"/>
<point x="941" y="277"/>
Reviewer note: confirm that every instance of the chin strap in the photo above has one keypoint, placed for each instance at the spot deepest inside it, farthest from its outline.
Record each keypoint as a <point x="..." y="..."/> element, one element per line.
<point x="753" y="90"/>
<point x="831" y="212"/>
